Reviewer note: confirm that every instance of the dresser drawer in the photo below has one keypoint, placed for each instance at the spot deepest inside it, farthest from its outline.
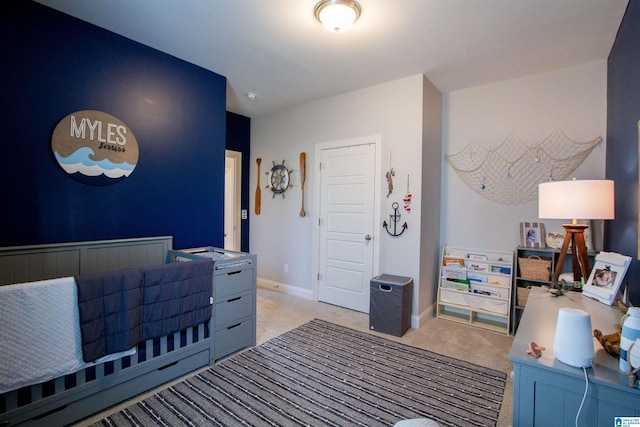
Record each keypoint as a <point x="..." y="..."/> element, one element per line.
<point x="234" y="308"/>
<point x="234" y="337"/>
<point x="230" y="282"/>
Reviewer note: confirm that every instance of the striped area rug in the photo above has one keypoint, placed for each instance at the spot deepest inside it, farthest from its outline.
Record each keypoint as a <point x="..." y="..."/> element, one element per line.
<point x="324" y="374"/>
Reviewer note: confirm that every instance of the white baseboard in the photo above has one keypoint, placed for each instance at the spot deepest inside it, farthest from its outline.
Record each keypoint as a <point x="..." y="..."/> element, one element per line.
<point x="307" y="294"/>
<point x="423" y="317"/>
<point x="287" y="289"/>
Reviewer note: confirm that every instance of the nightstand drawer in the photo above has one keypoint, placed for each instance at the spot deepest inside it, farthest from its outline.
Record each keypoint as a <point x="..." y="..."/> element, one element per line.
<point x="235" y="337"/>
<point x="230" y="282"/>
<point x="234" y="308"/>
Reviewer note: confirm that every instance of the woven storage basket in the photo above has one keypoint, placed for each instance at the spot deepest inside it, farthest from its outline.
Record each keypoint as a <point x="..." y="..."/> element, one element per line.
<point x="522" y="295"/>
<point x="534" y="268"/>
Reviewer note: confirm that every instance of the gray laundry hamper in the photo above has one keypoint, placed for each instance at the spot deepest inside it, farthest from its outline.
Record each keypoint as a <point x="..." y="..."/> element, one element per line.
<point x="390" y="304"/>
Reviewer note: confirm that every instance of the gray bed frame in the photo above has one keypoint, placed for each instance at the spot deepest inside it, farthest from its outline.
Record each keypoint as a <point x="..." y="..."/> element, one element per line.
<point x="73" y="397"/>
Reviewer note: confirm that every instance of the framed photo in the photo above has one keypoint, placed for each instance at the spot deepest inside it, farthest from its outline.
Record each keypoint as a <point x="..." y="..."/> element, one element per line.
<point x="532" y="235"/>
<point x="606" y="277"/>
<point x="555" y="239"/>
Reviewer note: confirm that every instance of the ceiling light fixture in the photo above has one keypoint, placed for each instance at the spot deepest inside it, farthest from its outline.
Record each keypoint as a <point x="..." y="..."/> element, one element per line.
<point x="337" y="15"/>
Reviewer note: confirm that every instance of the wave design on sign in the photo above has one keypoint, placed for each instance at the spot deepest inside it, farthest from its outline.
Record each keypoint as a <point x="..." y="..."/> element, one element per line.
<point x="80" y="161"/>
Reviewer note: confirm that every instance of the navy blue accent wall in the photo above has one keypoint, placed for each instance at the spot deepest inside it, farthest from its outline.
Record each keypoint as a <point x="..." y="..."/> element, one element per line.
<point x="53" y="65"/>
<point x="623" y="113"/>
<point x="238" y="139"/>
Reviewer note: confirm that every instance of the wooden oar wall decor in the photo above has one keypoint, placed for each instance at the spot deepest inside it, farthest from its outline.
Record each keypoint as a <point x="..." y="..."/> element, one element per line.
<point x="258" y="193"/>
<point x="303" y="177"/>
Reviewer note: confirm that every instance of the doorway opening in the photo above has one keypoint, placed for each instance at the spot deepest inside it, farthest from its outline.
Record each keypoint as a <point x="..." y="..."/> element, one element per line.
<point x="232" y="199"/>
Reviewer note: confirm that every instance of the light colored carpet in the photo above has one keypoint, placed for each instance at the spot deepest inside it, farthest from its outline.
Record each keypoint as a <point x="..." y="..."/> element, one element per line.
<point x="279" y="313"/>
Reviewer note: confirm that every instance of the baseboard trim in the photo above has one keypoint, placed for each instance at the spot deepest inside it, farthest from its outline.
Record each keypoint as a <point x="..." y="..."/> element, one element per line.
<point x="422" y="318"/>
<point x="286" y="289"/>
<point x="416" y="321"/>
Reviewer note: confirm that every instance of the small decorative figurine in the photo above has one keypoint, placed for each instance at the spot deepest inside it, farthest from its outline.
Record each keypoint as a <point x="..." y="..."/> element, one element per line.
<point x="407" y="197"/>
<point x="535" y="350"/>
<point x="610" y="342"/>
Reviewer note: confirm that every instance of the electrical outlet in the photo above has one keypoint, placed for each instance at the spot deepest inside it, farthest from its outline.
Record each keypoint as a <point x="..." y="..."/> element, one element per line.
<point x="286" y="268"/>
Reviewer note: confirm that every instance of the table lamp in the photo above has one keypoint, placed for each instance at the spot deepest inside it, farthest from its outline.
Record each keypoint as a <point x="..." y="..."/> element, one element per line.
<point x="576" y="199"/>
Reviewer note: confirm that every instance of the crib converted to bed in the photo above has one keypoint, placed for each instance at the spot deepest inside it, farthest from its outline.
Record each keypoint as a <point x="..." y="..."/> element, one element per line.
<point x="41" y="380"/>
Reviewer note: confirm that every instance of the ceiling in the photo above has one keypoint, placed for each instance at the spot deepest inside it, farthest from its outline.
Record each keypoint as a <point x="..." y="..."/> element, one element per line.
<point x="278" y="50"/>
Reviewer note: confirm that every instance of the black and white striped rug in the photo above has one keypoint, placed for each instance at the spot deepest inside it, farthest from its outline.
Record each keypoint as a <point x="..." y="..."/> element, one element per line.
<point x="324" y="374"/>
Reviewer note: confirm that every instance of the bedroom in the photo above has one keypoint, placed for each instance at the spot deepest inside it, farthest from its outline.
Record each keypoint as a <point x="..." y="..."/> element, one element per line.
<point x="43" y="89"/>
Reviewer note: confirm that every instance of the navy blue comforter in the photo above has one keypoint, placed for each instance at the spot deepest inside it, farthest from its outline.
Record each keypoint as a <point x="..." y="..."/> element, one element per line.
<point x="119" y="310"/>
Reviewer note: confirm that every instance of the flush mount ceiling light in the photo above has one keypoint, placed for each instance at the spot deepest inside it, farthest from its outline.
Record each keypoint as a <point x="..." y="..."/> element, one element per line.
<point x="337" y="15"/>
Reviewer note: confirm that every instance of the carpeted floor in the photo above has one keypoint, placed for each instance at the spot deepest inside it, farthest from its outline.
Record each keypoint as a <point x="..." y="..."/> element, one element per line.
<point x="280" y="312"/>
<point x="325" y="374"/>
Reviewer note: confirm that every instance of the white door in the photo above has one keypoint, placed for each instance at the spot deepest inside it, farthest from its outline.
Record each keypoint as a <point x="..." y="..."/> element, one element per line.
<point x="346" y="223"/>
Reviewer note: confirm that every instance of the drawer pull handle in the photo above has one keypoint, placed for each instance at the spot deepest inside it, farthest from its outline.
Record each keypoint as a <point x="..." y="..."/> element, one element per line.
<point x="234" y="272"/>
<point x="168" y="365"/>
<point x="46" y="414"/>
<point x="234" y="326"/>
<point x="234" y="299"/>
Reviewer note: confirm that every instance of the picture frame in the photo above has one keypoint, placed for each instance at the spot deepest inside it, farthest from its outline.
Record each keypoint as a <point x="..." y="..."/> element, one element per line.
<point x="532" y="235"/>
<point x="555" y="239"/>
<point x="606" y="277"/>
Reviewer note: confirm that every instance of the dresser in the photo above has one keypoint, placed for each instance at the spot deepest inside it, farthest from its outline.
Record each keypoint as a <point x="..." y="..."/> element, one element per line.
<point x="234" y="297"/>
<point x="546" y="391"/>
<point x="234" y="319"/>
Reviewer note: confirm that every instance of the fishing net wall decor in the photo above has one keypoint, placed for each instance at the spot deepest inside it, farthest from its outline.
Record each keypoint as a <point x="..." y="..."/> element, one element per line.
<point x="510" y="173"/>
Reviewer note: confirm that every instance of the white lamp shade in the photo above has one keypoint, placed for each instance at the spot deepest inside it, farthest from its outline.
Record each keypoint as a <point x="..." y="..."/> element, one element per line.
<point x="578" y="199"/>
<point x="573" y="343"/>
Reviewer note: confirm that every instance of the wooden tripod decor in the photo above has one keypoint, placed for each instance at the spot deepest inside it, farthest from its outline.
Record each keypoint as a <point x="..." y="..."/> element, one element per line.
<point x="575" y="236"/>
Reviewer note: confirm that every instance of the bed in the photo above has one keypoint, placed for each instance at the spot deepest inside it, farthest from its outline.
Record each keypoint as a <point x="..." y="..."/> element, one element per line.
<point x="55" y="398"/>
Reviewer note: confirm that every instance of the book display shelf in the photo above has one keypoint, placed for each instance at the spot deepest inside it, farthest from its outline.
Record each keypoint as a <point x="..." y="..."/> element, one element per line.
<point x="475" y="287"/>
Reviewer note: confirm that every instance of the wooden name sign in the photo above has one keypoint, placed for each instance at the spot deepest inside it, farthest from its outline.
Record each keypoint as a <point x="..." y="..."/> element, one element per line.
<point x="95" y="147"/>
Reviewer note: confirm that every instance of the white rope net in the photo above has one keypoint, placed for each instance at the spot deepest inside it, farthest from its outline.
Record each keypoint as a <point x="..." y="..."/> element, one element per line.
<point x="510" y="173"/>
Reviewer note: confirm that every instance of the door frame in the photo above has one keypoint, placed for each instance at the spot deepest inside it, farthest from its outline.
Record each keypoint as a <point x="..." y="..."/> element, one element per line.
<point x="377" y="183"/>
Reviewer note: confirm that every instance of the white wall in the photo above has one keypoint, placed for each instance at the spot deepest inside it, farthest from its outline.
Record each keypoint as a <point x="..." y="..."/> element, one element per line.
<point x="280" y="236"/>
<point x="572" y="99"/>
<point x="430" y="197"/>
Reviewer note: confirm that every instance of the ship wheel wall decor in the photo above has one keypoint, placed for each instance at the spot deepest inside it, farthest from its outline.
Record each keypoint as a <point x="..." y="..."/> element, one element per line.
<point x="278" y="179"/>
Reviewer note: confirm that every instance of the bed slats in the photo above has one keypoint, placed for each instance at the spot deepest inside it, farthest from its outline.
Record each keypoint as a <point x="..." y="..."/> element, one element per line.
<point x="153" y="364"/>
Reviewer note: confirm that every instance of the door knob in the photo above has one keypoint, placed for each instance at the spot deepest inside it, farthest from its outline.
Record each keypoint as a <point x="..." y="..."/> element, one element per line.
<point x="367" y="237"/>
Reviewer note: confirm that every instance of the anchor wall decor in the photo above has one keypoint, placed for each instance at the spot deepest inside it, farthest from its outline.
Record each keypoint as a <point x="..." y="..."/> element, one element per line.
<point x="395" y="219"/>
